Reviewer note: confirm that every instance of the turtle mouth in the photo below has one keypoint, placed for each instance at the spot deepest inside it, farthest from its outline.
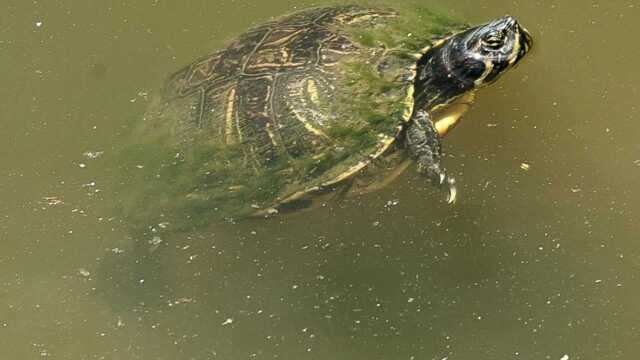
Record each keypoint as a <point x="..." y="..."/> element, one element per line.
<point x="525" y="41"/>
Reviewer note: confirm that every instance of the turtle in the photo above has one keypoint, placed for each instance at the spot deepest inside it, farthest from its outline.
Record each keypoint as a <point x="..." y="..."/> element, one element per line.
<point x="322" y="102"/>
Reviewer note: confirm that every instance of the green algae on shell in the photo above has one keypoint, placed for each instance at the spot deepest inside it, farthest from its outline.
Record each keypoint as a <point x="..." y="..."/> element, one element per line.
<point x="187" y="164"/>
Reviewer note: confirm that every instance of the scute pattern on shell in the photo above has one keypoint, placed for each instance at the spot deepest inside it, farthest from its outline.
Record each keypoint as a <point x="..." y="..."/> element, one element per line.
<point x="273" y="92"/>
<point x="289" y="110"/>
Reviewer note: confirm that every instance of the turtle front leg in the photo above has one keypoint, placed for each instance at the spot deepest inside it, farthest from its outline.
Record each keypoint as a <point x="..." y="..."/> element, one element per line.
<point x="423" y="142"/>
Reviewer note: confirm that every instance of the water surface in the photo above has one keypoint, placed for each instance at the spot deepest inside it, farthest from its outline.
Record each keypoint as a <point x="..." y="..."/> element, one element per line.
<point x="530" y="264"/>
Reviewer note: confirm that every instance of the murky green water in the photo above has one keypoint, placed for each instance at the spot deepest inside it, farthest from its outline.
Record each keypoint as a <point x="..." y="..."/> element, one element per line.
<point x="537" y="264"/>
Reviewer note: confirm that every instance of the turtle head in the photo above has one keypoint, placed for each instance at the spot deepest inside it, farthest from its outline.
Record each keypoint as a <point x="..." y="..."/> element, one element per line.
<point x="478" y="56"/>
<point x="469" y="59"/>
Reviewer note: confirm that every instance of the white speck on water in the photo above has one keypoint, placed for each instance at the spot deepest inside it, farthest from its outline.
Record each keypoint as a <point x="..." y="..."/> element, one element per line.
<point x="391" y="203"/>
<point x="84" y="272"/>
<point x="598" y="281"/>
<point x="156" y="240"/>
<point x="411" y="300"/>
<point x="93" y="154"/>
<point x="39" y="23"/>
<point x="565" y="357"/>
<point x="525" y="166"/>
<point x="229" y="321"/>
<point x="140" y="166"/>
<point x="141" y="281"/>
<point x="82" y="165"/>
<point x="53" y="200"/>
<point x="117" y="250"/>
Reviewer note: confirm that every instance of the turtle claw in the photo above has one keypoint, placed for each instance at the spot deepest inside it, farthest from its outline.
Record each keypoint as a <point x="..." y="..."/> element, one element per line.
<point x="440" y="178"/>
<point x="453" y="192"/>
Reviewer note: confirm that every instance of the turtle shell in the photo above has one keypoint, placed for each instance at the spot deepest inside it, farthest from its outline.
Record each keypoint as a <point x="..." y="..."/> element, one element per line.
<point x="289" y="109"/>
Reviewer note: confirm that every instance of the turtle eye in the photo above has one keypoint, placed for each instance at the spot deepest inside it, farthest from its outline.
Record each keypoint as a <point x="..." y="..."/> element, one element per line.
<point x="494" y="40"/>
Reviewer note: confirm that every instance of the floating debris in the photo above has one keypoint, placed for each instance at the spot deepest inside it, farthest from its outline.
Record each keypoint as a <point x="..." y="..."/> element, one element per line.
<point x="84" y="272"/>
<point x="79" y="211"/>
<point x="524" y="166"/>
<point x="565" y="357"/>
<point x="155" y="243"/>
<point x="39" y="24"/>
<point x="53" y="200"/>
<point x="141" y="94"/>
<point x="144" y="95"/>
<point x="229" y="321"/>
<point x="182" y="300"/>
<point x="391" y="203"/>
<point x="93" y="154"/>
<point x="116" y="250"/>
